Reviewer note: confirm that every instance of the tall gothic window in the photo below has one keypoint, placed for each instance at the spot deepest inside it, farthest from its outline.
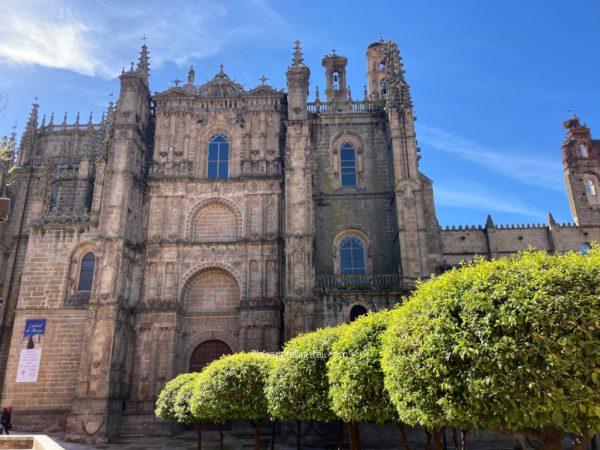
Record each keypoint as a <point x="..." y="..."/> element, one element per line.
<point x="590" y="186"/>
<point x="352" y="256"/>
<point x="218" y="157"/>
<point x="348" y="164"/>
<point x="86" y="273"/>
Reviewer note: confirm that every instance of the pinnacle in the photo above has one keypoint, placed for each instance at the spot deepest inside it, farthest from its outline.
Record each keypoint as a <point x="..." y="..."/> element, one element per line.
<point x="298" y="59"/>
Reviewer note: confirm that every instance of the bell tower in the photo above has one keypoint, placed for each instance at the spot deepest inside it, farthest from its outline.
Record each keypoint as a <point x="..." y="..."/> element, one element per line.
<point x="335" y="75"/>
<point x="581" y="161"/>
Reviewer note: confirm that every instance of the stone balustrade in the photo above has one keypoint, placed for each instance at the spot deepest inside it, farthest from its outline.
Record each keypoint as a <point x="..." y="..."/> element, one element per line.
<point x="350" y="106"/>
<point x="359" y="282"/>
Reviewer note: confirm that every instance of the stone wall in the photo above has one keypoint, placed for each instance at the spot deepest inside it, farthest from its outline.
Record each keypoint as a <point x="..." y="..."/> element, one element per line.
<point x="464" y="243"/>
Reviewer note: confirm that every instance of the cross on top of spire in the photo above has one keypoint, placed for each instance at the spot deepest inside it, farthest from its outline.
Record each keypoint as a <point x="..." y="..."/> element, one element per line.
<point x="262" y="80"/>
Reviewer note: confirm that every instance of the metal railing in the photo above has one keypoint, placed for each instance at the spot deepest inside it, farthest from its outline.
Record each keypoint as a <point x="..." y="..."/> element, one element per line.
<point x="359" y="282"/>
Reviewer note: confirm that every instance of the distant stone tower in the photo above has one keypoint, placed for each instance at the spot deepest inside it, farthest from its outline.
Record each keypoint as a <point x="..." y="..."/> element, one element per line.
<point x="376" y="69"/>
<point x="581" y="160"/>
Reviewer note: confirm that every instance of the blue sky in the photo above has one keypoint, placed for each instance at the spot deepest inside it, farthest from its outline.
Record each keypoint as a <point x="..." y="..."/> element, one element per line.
<point x="491" y="80"/>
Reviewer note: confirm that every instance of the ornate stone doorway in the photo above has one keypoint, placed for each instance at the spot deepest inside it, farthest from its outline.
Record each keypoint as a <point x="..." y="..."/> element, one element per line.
<point x="207" y="352"/>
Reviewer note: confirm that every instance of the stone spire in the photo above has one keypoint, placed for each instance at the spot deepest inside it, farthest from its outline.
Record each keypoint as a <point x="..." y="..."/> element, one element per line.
<point x="297" y="76"/>
<point x="298" y="59"/>
<point x="397" y="91"/>
<point x="29" y="135"/>
<point x="143" y="67"/>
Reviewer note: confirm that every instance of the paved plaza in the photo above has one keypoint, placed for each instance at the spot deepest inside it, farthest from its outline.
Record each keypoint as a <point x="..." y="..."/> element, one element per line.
<point x="183" y="441"/>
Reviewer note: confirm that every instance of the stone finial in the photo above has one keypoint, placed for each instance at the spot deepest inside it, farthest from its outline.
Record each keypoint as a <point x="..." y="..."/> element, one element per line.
<point x="90" y="118"/>
<point x="365" y="93"/>
<point x="43" y="121"/>
<point x="51" y="123"/>
<point x="489" y="223"/>
<point x="317" y="99"/>
<point x="64" y="122"/>
<point x="77" y="119"/>
<point x="298" y="59"/>
<point x="191" y="74"/>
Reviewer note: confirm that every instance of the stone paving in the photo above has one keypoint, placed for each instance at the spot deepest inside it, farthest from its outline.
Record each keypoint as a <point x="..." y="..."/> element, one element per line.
<point x="183" y="441"/>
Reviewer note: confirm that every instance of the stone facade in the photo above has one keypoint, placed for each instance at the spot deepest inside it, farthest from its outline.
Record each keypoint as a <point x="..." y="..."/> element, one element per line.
<point x="210" y="219"/>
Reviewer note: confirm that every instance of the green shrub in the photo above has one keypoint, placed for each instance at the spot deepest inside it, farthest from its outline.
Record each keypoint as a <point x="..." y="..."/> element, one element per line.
<point x="297" y="387"/>
<point x="511" y="344"/>
<point x="166" y="400"/>
<point x="354" y="371"/>
<point x="232" y="387"/>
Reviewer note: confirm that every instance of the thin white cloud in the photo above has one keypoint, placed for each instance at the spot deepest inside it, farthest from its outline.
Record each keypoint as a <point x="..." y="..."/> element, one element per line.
<point x="98" y="37"/>
<point x="473" y="198"/>
<point x="533" y="171"/>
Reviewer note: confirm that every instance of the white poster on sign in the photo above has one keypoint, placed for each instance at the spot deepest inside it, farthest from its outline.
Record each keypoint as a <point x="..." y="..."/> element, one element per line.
<point x="29" y="365"/>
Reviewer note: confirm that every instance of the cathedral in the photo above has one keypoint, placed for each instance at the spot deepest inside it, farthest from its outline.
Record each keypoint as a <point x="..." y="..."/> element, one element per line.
<point x="210" y="219"/>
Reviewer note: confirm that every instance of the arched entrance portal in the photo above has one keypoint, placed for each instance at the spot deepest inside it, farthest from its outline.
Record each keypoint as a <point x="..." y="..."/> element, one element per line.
<point x="207" y="352"/>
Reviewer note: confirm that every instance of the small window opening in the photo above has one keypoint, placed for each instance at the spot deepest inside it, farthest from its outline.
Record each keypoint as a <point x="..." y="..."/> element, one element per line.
<point x="336" y="81"/>
<point x="583" y="150"/>
<point x="590" y="186"/>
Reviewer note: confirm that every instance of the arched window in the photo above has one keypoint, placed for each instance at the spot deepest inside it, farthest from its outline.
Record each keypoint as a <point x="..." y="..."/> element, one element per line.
<point x="352" y="256"/>
<point x="585" y="247"/>
<point x="583" y="150"/>
<point x="86" y="273"/>
<point x="336" y="80"/>
<point x="218" y="157"/>
<point x="348" y="164"/>
<point x="590" y="186"/>
<point x="357" y="311"/>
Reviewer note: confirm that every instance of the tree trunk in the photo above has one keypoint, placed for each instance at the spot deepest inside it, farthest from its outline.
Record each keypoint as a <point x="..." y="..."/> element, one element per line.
<point x="402" y="429"/>
<point x="340" y="442"/>
<point x="437" y="443"/>
<point x="455" y="439"/>
<point x="354" y="438"/>
<point x="199" y="435"/>
<point x="298" y="431"/>
<point x="256" y="436"/>
<point x="221" y="443"/>
<point x="428" y="442"/>
<point x="273" y="436"/>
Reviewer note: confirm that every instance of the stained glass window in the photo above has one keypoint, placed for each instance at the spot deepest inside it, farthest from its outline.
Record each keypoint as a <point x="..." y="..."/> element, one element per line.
<point x="86" y="274"/>
<point x="218" y="157"/>
<point x="352" y="256"/>
<point x="348" y="164"/>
